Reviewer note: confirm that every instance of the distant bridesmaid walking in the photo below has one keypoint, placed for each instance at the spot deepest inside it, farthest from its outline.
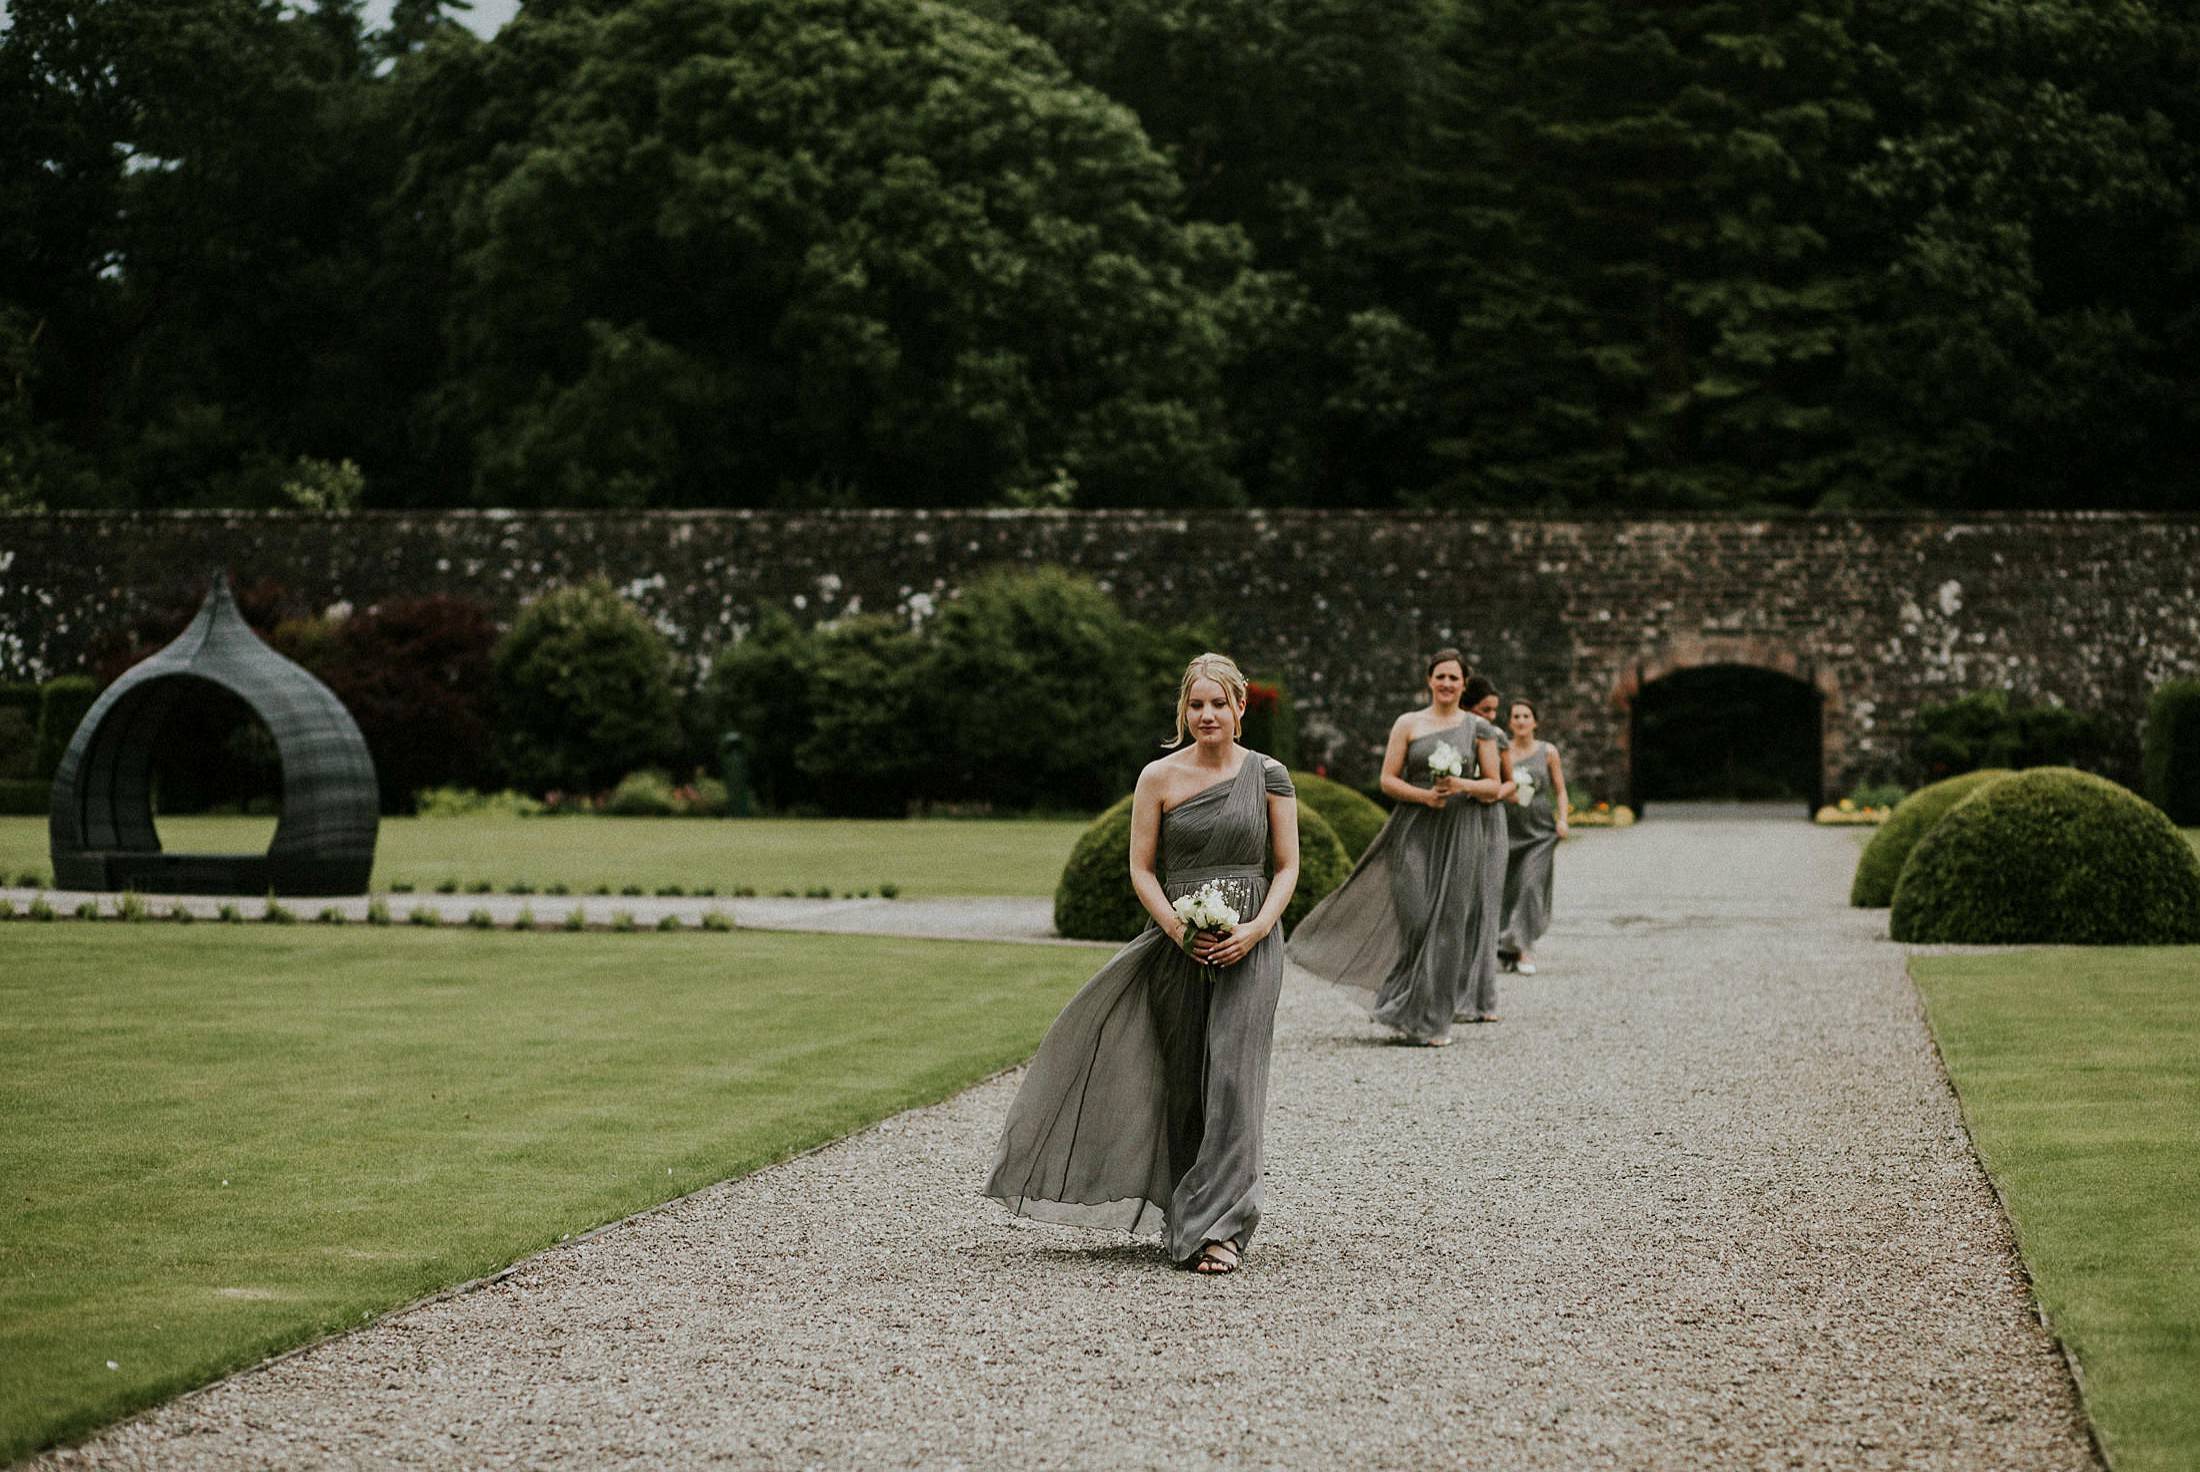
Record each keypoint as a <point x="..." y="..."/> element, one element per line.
<point x="1480" y="1002"/>
<point x="1535" y="821"/>
<point x="1143" y="1108"/>
<point x="1401" y="929"/>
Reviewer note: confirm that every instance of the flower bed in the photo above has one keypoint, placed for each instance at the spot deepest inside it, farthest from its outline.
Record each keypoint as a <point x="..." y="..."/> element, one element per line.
<point x="1848" y="812"/>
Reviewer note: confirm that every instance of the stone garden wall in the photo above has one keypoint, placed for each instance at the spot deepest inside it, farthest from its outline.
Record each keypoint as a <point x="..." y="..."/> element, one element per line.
<point x="1878" y="613"/>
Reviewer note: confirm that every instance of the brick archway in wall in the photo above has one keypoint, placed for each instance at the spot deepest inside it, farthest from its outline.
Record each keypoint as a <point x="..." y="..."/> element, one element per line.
<point x="1741" y="652"/>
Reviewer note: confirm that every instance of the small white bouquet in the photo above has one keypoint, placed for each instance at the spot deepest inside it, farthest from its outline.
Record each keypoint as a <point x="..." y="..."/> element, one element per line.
<point x="1525" y="786"/>
<point x="1445" y="761"/>
<point x="1205" y="908"/>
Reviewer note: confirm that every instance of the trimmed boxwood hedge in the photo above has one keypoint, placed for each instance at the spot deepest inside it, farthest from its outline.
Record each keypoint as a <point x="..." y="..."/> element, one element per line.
<point x="2050" y="856"/>
<point x="1094" y="900"/>
<point x="2172" y="751"/>
<point x="1913" y="818"/>
<point x="1356" y="820"/>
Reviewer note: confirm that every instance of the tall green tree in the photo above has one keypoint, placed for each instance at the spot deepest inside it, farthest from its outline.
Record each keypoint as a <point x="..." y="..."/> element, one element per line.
<point x="186" y="200"/>
<point x="813" y="251"/>
<point x="2029" y="210"/>
<point x="1307" y="125"/>
<point x="1648" y="299"/>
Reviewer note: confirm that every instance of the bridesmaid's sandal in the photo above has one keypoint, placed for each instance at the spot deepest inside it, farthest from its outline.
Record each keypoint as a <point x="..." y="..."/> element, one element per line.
<point x="1217" y="1259"/>
<point x="1485" y="1017"/>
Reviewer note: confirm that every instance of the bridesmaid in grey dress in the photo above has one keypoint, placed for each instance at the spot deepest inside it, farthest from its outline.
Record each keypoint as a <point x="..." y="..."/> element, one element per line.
<point x="1401" y="930"/>
<point x="1480" y="1005"/>
<point x="1143" y="1108"/>
<point x="1534" y="828"/>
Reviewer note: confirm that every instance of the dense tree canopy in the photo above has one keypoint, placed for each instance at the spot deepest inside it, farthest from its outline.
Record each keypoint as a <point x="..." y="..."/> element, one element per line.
<point x="1685" y="253"/>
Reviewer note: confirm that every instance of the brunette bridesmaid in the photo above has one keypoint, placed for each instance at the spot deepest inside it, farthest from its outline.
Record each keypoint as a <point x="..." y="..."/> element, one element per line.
<point x="1143" y="1108"/>
<point x="1400" y="932"/>
<point x="1535" y="820"/>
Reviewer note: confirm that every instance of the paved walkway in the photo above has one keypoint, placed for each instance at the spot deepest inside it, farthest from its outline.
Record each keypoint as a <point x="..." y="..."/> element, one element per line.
<point x="1027" y="921"/>
<point x="1702" y="1199"/>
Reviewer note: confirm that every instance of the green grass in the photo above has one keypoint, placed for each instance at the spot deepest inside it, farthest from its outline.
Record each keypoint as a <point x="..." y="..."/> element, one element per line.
<point x="2079" y="1072"/>
<point x="223" y="1141"/>
<point x="1009" y="856"/>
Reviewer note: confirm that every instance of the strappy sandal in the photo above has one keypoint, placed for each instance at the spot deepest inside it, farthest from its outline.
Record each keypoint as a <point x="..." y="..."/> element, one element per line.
<point x="1219" y="1259"/>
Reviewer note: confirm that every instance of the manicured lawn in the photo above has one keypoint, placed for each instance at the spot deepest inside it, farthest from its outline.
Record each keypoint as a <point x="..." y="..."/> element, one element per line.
<point x="1006" y="856"/>
<point x="219" y="1142"/>
<point x="2079" y="1072"/>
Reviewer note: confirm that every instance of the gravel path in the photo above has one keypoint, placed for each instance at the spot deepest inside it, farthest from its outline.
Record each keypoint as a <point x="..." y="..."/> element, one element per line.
<point x="1702" y="1199"/>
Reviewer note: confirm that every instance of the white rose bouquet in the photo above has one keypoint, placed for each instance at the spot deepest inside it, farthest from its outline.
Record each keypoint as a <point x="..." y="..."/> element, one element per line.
<point x="1525" y="788"/>
<point x="1205" y="908"/>
<point x="1445" y="761"/>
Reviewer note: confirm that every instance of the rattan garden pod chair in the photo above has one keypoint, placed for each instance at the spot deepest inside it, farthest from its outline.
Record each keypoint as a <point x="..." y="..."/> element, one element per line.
<point x="102" y="825"/>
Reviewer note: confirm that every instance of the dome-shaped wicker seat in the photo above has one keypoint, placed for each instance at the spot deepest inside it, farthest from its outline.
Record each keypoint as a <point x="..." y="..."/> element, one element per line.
<point x="102" y="828"/>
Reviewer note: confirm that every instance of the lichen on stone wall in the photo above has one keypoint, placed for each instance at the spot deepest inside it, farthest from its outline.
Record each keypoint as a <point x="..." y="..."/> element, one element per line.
<point x="1879" y="613"/>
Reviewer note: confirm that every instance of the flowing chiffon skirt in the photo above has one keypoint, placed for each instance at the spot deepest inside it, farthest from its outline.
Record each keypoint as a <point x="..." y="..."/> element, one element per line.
<point x="1143" y="1109"/>
<point x="1532" y="849"/>
<point x="1400" y="932"/>
<point x="1479" y="996"/>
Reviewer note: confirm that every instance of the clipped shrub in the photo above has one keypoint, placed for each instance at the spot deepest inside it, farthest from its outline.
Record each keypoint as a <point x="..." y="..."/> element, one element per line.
<point x="25" y="797"/>
<point x="1094" y="899"/>
<point x="2171" y="761"/>
<point x="1271" y="722"/>
<point x="1913" y="818"/>
<point x="2052" y="856"/>
<point x="1986" y="730"/>
<point x="1052" y="647"/>
<point x="583" y="690"/>
<point x="19" y="707"/>
<point x="705" y="797"/>
<point x="867" y="752"/>
<point x="465" y="802"/>
<point x="63" y="704"/>
<point x="761" y="689"/>
<point x="643" y="794"/>
<point x="1355" y="819"/>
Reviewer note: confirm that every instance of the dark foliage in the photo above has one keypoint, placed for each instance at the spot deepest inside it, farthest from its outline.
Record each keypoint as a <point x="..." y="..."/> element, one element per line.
<point x="2172" y="751"/>
<point x="1271" y="722"/>
<point x="1987" y="729"/>
<point x="415" y="673"/>
<point x="1091" y="252"/>
<point x="583" y="691"/>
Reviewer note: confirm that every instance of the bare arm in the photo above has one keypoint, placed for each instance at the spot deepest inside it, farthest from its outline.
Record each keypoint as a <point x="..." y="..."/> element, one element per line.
<point x="1283" y="835"/>
<point x="1395" y="786"/>
<point x="1145" y="836"/>
<point x="1488" y="758"/>
<point x="1558" y="790"/>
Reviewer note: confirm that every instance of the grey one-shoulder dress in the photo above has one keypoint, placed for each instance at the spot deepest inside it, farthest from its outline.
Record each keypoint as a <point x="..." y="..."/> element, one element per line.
<point x="1143" y="1108"/>
<point x="1480" y="997"/>
<point x="1402" y="931"/>
<point x="1532" y="839"/>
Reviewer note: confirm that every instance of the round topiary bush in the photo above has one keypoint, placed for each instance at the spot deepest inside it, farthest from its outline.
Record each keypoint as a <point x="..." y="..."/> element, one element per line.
<point x="2051" y="856"/>
<point x="1355" y="819"/>
<point x="1913" y="818"/>
<point x="1094" y="900"/>
<point x="583" y="690"/>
